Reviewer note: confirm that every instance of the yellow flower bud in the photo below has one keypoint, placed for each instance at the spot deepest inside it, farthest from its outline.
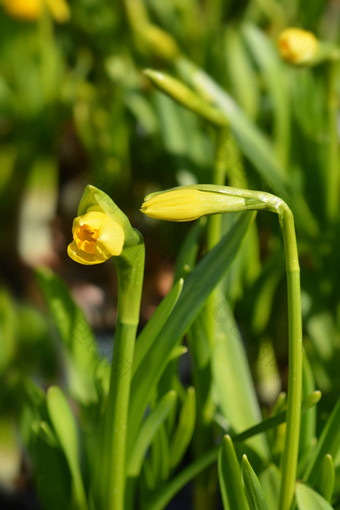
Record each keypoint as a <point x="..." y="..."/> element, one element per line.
<point x="189" y="204"/>
<point x="96" y="238"/>
<point x="31" y="10"/>
<point x="298" y="46"/>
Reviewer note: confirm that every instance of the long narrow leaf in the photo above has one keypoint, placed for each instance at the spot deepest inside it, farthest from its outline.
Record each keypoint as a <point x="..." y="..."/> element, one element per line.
<point x="65" y="428"/>
<point x="185" y="429"/>
<point x="325" y="484"/>
<point x="76" y="335"/>
<point x="253" y="489"/>
<point x="197" y="287"/>
<point x="155" y="324"/>
<point x="307" y="499"/>
<point x="233" y="382"/>
<point x="252" y="142"/>
<point x="148" y="431"/>
<point x="329" y="443"/>
<point x="229" y="474"/>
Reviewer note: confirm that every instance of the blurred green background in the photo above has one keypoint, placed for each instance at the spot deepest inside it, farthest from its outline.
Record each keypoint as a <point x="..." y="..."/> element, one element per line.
<point x="75" y="108"/>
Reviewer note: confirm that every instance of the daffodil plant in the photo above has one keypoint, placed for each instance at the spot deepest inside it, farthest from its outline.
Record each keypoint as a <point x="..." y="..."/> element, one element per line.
<point x="102" y="231"/>
<point x="187" y="203"/>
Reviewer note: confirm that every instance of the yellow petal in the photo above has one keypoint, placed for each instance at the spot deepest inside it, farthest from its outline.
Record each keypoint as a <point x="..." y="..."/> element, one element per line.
<point x="97" y="237"/>
<point x="80" y="256"/>
<point x="111" y="237"/>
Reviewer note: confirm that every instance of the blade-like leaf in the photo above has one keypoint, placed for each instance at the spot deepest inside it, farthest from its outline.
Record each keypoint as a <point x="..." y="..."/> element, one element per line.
<point x="197" y="287"/>
<point x="163" y="496"/>
<point x="233" y="382"/>
<point x="270" y="481"/>
<point x="274" y="421"/>
<point x="75" y="334"/>
<point x="155" y="324"/>
<point x="148" y="431"/>
<point x="253" y="489"/>
<point x="267" y="58"/>
<point x="251" y="141"/>
<point x="308" y="419"/>
<point x="65" y="428"/>
<point x="184" y="430"/>
<point x="329" y="443"/>
<point x="229" y="474"/>
<point x="307" y="499"/>
<point x="326" y="482"/>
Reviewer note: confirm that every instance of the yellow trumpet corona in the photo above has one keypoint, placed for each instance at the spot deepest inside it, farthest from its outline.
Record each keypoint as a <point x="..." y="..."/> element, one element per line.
<point x="189" y="204"/>
<point x="32" y="10"/>
<point x="297" y="46"/>
<point x="96" y="238"/>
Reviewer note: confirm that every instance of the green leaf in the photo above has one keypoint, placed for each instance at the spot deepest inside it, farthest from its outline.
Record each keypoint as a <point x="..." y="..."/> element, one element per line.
<point x="253" y="489"/>
<point x="188" y="253"/>
<point x="229" y="474"/>
<point x="185" y="428"/>
<point x="164" y="495"/>
<point x="76" y="335"/>
<point x="243" y="79"/>
<point x="270" y="481"/>
<point x="329" y="443"/>
<point x="185" y="96"/>
<point x="52" y="475"/>
<point x="307" y="499"/>
<point x="233" y="381"/>
<point x="65" y="428"/>
<point x="7" y="330"/>
<point x="149" y="334"/>
<point x="273" y="72"/>
<point x="308" y="419"/>
<point x="252" y="142"/>
<point x="148" y="430"/>
<point x="326" y="482"/>
<point x="197" y="287"/>
<point x="274" y="421"/>
<point x="160" y="455"/>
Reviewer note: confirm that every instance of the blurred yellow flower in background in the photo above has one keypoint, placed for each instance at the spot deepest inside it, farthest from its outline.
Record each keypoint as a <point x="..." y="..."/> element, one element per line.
<point x="297" y="46"/>
<point x="32" y="10"/>
<point x="96" y="238"/>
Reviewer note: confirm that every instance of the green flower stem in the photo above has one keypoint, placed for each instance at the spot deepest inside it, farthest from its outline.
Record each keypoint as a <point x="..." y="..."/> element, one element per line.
<point x="130" y="268"/>
<point x="332" y="185"/>
<point x="255" y="200"/>
<point x="291" y="447"/>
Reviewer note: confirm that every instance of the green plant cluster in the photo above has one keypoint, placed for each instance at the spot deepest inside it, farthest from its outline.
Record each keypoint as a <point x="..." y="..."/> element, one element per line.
<point x="135" y="97"/>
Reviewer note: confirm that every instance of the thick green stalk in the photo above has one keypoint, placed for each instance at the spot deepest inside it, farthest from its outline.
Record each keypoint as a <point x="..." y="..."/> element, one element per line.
<point x="332" y="184"/>
<point x="291" y="447"/>
<point x="130" y="268"/>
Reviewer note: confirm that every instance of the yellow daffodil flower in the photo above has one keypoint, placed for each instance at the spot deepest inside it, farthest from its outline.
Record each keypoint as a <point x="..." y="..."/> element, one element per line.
<point x="96" y="238"/>
<point x="32" y="10"/>
<point x="189" y="204"/>
<point x="298" y="46"/>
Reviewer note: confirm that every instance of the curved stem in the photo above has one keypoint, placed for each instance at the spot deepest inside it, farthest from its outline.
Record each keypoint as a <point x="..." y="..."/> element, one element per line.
<point x="291" y="447"/>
